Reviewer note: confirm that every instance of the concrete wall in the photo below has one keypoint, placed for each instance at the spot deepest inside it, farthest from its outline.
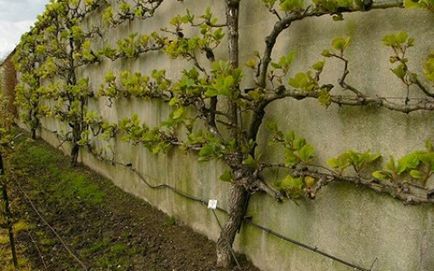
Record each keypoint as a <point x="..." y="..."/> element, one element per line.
<point x="352" y="223"/>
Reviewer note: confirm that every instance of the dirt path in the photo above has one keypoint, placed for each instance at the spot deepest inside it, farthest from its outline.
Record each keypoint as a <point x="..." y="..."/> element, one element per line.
<point x="105" y="228"/>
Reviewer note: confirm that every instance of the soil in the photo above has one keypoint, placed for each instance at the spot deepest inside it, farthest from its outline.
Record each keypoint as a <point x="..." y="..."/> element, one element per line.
<point x="104" y="227"/>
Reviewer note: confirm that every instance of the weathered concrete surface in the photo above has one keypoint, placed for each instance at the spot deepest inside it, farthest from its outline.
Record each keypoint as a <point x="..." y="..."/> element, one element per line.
<point x="354" y="224"/>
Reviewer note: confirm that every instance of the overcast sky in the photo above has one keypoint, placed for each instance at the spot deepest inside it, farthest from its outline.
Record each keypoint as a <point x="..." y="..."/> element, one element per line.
<point x="16" y="17"/>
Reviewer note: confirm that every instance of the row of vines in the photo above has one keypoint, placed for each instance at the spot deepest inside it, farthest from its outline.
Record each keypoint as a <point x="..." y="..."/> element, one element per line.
<point x="213" y="115"/>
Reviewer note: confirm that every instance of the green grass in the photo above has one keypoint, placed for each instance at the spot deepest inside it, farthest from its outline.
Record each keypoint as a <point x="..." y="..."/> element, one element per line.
<point x="170" y="221"/>
<point x="21" y="226"/>
<point x="118" y="249"/>
<point x="51" y="177"/>
<point x="4" y="237"/>
<point x="73" y="185"/>
<point x="51" y="170"/>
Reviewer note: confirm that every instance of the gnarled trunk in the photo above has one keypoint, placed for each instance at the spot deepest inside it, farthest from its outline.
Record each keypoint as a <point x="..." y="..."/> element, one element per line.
<point x="35" y="125"/>
<point x="76" y="134"/>
<point x="33" y="133"/>
<point x="239" y="195"/>
<point x="74" y="154"/>
<point x="237" y="208"/>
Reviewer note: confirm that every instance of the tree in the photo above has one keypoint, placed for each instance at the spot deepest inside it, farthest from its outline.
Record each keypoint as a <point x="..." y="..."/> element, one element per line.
<point x="55" y="48"/>
<point x="29" y="91"/>
<point x="214" y="115"/>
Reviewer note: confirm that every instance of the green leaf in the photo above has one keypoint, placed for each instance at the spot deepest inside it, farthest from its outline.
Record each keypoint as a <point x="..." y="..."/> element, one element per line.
<point x="411" y="4"/>
<point x="428" y="159"/>
<point x="339" y="163"/>
<point x="211" y="92"/>
<point x="389" y="40"/>
<point x="401" y="37"/>
<point x="206" y="152"/>
<point x="256" y="94"/>
<point x="416" y="174"/>
<point x="299" y="143"/>
<point x="344" y="3"/>
<point x="300" y="80"/>
<point x="293" y="187"/>
<point x="391" y="164"/>
<point x="319" y="66"/>
<point x="397" y="39"/>
<point x="251" y="63"/>
<point x="309" y="181"/>
<point x="381" y="175"/>
<point x="408" y="162"/>
<point x="290" y="158"/>
<point x="272" y="126"/>
<point x="289" y="136"/>
<point x="178" y="113"/>
<point x="290" y="182"/>
<point x="250" y="162"/>
<point x="269" y="3"/>
<point x="227" y="176"/>
<point x="326" y="53"/>
<point x="428" y="68"/>
<point x="276" y="65"/>
<point x="341" y="43"/>
<point x="400" y="71"/>
<point x="285" y="62"/>
<point x="306" y="153"/>
<point x="325" y="98"/>
<point x="291" y="5"/>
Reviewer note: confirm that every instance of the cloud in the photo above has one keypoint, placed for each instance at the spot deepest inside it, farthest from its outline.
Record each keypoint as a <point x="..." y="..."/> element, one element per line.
<point x="20" y="10"/>
<point x="16" y="17"/>
<point x="10" y="33"/>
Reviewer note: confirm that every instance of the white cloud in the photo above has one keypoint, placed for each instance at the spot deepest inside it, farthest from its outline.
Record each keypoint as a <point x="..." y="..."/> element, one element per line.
<point x="16" y="17"/>
<point x="10" y="33"/>
<point x="19" y="10"/>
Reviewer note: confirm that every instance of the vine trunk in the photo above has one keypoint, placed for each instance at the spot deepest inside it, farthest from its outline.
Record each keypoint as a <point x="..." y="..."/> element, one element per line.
<point x="237" y="209"/>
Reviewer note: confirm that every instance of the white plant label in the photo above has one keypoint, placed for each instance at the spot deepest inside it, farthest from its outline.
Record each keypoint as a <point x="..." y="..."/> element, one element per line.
<point x="212" y="204"/>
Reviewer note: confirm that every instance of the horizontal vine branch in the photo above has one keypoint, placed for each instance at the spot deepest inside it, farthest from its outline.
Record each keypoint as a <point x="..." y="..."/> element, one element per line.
<point x="407" y="193"/>
<point x="419" y="105"/>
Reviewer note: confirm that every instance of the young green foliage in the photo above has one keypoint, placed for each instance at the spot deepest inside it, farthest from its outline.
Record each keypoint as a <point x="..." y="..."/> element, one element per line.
<point x="208" y="38"/>
<point x="358" y="161"/>
<point x="339" y="45"/>
<point x="429" y="68"/>
<point x="155" y="140"/>
<point x="224" y="81"/>
<point x="291" y="187"/>
<point x="296" y="149"/>
<point x="427" y="4"/>
<point x="400" y="42"/>
<point x="416" y="167"/>
<point x="136" y="85"/>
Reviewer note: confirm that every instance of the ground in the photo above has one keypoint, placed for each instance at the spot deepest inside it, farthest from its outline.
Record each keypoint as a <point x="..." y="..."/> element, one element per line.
<point x="104" y="227"/>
